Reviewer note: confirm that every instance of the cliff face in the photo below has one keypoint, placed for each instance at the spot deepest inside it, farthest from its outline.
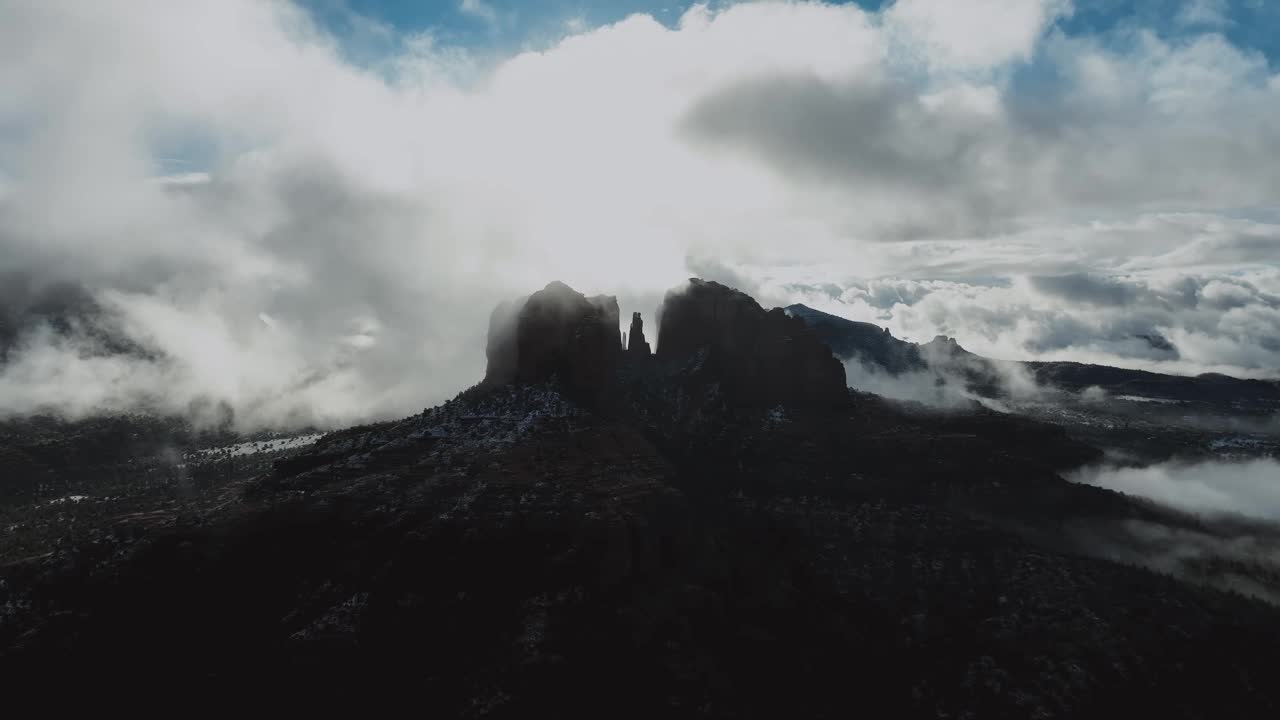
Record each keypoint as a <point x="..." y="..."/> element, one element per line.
<point x="636" y="344"/>
<point x="759" y="358"/>
<point x="558" y="332"/>
<point x="765" y="357"/>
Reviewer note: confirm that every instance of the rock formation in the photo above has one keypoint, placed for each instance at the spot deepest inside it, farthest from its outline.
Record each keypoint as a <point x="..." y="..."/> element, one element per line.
<point x="764" y="358"/>
<point x="637" y="344"/>
<point x="558" y="332"/>
<point x="759" y="358"/>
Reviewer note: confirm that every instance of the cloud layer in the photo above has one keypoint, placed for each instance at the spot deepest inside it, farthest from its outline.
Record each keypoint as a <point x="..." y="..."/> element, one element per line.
<point x="1229" y="548"/>
<point x="1249" y="488"/>
<point x="1157" y="319"/>
<point x="308" y="238"/>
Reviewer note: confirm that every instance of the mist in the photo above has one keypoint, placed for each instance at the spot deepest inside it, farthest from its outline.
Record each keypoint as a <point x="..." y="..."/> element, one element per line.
<point x="1240" y="560"/>
<point x="1229" y="537"/>
<point x="947" y="379"/>
<point x="924" y="386"/>
<point x="1249" y="488"/>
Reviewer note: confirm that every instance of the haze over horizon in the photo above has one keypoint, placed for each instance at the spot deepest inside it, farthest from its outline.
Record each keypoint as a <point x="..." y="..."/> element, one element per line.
<point x="308" y="209"/>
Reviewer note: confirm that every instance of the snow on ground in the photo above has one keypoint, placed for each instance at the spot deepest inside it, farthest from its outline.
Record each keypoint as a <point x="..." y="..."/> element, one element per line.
<point x="1238" y="442"/>
<point x="257" y="446"/>
<point x="466" y="425"/>
<point x="775" y="417"/>
<point x="72" y="499"/>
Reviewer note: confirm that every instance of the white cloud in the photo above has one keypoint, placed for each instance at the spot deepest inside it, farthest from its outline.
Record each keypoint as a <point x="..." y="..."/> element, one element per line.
<point x="376" y="216"/>
<point x="1250" y="488"/>
<point x="1151" y="319"/>
<point x="479" y="9"/>
<point x="974" y="35"/>
<point x="1213" y="13"/>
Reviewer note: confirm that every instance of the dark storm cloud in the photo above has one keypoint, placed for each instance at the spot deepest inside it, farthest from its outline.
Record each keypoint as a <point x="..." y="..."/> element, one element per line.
<point x="862" y="134"/>
<point x="806" y="125"/>
<point x="1084" y="288"/>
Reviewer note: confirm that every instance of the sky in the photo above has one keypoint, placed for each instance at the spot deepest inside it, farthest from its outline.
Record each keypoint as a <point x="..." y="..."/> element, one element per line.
<point x="306" y="210"/>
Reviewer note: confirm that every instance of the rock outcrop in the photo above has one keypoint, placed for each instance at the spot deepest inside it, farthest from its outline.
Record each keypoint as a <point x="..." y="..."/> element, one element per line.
<point x="556" y="332"/>
<point x="764" y="358"/>
<point x="636" y="343"/>
<point x="943" y="346"/>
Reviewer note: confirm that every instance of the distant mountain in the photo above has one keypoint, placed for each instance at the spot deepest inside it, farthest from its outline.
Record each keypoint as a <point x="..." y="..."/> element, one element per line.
<point x="868" y="342"/>
<point x="875" y="347"/>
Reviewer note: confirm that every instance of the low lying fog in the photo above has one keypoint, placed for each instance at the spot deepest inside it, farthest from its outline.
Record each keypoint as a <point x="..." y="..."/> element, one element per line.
<point x="922" y="386"/>
<point x="1250" y="488"/>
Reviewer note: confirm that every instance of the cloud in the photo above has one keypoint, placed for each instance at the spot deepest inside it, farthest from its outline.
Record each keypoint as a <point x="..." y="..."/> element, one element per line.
<point x="343" y="225"/>
<point x="932" y="156"/>
<point x="1233" y="544"/>
<point x="968" y="36"/>
<point x="1084" y="288"/>
<point x="1179" y="294"/>
<point x="1211" y="488"/>
<point x="1242" y="560"/>
<point x="1212" y="13"/>
<point x="479" y="9"/>
<point x="924" y="387"/>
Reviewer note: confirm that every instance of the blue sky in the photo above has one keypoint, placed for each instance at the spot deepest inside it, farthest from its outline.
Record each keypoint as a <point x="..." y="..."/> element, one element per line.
<point x="1247" y="24"/>
<point x="492" y="23"/>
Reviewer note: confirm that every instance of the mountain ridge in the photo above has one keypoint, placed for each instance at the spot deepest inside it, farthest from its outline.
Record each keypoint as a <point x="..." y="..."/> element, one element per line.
<point x="873" y="345"/>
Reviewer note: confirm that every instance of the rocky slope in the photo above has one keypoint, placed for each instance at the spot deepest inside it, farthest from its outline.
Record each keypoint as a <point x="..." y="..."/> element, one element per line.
<point x="683" y="537"/>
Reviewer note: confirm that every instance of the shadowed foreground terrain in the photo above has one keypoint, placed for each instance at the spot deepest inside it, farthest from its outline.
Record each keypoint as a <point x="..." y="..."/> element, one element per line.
<point x="717" y="530"/>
